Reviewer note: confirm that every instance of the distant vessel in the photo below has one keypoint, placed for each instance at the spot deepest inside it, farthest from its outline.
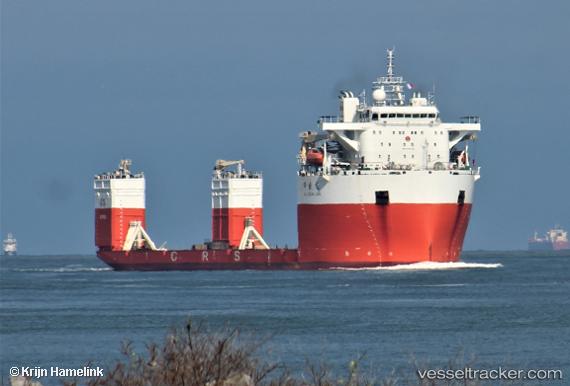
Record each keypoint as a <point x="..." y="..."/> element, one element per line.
<point x="10" y="245"/>
<point x="556" y="239"/>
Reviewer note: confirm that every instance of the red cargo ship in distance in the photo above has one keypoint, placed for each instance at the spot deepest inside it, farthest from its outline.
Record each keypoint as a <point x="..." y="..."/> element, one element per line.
<point x="381" y="184"/>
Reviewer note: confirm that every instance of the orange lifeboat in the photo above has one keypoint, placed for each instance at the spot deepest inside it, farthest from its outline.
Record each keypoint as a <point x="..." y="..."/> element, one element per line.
<point x="315" y="157"/>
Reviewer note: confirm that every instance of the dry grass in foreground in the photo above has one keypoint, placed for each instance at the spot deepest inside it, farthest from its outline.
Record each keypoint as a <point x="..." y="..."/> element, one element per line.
<point x="195" y="356"/>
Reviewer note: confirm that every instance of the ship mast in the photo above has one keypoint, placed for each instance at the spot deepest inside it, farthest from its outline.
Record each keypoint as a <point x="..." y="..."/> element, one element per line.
<point x="392" y="85"/>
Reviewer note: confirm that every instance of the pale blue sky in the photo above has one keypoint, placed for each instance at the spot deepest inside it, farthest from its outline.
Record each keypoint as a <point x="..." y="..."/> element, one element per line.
<point x="174" y="85"/>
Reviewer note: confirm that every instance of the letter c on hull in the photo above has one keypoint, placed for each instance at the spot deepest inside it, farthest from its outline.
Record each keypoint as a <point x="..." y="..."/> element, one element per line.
<point x="173" y="256"/>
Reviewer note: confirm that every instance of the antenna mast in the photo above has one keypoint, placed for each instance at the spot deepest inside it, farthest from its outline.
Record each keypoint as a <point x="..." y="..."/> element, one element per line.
<point x="392" y="85"/>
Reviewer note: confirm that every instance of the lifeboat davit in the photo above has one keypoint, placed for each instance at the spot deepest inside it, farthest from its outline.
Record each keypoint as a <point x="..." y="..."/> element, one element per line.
<point x="315" y="157"/>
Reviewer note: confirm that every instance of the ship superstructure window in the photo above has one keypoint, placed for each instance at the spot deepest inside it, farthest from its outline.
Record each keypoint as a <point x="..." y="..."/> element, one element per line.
<point x="404" y="115"/>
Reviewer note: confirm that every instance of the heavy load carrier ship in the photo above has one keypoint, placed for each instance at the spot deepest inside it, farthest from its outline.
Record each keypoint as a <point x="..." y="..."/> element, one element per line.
<point x="380" y="184"/>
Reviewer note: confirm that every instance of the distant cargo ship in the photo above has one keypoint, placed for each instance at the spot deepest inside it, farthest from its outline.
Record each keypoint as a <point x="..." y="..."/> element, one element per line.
<point x="556" y="239"/>
<point x="10" y="245"/>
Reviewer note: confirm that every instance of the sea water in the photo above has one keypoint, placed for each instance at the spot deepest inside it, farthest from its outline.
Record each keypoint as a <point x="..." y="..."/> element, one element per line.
<point x="503" y="309"/>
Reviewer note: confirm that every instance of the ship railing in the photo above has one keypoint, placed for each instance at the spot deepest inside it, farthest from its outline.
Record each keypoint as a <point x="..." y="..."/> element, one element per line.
<point x="328" y="119"/>
<point x="115" y="175"/>
<point x="246" y="174"/>
<point x="470" y="119"/>
<point x="306" y="170"/>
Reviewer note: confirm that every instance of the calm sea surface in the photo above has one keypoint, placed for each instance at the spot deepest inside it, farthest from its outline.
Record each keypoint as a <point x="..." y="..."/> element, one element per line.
<point x="505" y="310"/>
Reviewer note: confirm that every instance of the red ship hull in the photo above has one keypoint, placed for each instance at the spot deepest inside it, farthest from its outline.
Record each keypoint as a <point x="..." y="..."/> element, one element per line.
<point x="330" y="236"/>
<point x="561" y="246"/>
<point x="364" y="234"/>
<point x="220" y="259"/>
<point x="193" y="260"/>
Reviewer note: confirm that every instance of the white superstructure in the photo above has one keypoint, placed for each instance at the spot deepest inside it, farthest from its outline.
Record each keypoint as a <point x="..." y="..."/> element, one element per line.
<point x="120" y="189"/>
<point x="392" y="145"/>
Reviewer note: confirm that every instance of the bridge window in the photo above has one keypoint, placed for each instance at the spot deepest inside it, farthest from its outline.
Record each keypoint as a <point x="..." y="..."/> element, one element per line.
<point x="384" y="115"/>
<point x="432" y="115"/>
<point x="391" y="115"/>
<point x="375" y="117"/>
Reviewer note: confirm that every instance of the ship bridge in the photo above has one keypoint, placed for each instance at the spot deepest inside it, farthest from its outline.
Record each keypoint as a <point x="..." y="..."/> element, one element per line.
<point x="389" y="133"/>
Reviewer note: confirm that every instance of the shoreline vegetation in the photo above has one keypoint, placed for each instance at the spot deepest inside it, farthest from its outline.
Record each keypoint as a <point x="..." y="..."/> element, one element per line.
<point x="197" y="356"/>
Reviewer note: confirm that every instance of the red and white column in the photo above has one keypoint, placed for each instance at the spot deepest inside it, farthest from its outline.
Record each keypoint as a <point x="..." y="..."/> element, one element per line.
<point x="119" y="200"/>
<point x="236" y="198"/>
